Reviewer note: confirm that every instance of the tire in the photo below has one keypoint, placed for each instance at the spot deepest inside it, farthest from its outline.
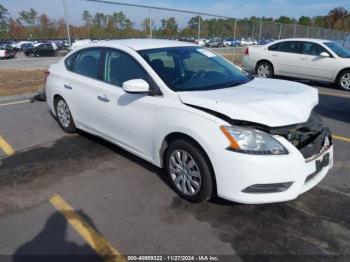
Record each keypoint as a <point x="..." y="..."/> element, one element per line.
<point x="64" y="116"/>
<point x="264" y="69"/>
<point x="343" y="80"/>
<point x="192" y="180"/>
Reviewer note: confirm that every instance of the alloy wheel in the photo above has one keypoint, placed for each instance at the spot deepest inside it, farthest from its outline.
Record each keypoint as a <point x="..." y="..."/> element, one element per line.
<point x="264" y="71"/>
<point x="345" y="81"/>
<point x="184" y="172"/>
<point x="63" y="113"/>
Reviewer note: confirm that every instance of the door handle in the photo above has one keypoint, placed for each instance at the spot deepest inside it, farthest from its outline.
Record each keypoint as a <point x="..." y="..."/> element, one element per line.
<point x="304" y="58"/>
<point x="68" y="87"/>
<point x="274" y="55"/>
<point x="103" y="98"/>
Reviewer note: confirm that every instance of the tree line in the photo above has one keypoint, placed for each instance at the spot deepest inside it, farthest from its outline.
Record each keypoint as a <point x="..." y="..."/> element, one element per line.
<point x="31" y="24"/>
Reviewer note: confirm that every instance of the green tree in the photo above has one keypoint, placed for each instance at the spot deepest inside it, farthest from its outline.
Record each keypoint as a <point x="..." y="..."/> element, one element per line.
<point x="304" y="20"/>
<point x="4" y="20"/>
<point x="120" y="20"/>
<point x="284" y="20"/>
<point x="169" y="27"/>
<point x="28" y="17"/>
<point x="319" y="21"/>
<point x="87" y="18"/>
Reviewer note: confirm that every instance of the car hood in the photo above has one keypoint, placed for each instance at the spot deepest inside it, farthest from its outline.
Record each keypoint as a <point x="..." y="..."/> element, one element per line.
<point x="268" y="102"/>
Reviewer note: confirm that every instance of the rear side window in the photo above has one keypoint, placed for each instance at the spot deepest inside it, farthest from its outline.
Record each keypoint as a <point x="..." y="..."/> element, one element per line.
<point x="273" y="47"/>
<point x="289" y="47"/>
<point x="120" y="67"/>
<point x="69" y="62"/>
<point x="87" y="62"/>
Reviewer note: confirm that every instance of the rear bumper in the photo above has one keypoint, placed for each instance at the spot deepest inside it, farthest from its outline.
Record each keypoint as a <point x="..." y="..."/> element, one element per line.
<point x="248" y="64"/>
<point x="236" y="172"/>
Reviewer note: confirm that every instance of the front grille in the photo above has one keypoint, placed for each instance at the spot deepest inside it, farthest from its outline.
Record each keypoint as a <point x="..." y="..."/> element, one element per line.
<point x="309" y="137"/>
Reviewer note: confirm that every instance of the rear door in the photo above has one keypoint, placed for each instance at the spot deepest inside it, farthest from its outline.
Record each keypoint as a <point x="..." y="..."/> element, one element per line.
<point x="314" y="66"/>
<point x="287" y="57"/>
<point x="81" y="87"/>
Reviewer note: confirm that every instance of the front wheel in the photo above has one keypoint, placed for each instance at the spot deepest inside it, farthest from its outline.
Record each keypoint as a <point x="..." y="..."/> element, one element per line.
<point x="189" y="171"/>
<point x="343" y="80"/>
<point x="264" y="70"/>
<point x="64" y="116"/>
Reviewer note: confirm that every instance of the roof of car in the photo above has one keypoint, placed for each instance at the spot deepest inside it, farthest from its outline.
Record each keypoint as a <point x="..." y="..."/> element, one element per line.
<point x="304" y="39"/>
<point x="142" y="44"/>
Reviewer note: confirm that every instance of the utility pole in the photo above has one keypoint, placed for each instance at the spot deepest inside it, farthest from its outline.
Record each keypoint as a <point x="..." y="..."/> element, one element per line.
<point x="150" y="22"/>
<point x="234" y="30"/>
<point x="280" y="34"/>
<point x="67" y="22"/>
<point x="199" y="27"/>
<point x="260" y="32"/>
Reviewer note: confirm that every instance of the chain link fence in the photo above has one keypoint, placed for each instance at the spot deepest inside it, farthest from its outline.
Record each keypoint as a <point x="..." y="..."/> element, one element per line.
<point x="119" y="20"/>
<point x="39" y="39"/>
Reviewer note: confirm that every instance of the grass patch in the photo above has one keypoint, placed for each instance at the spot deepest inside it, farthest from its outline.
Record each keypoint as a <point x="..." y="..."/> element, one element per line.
<point x="14" y="82"/>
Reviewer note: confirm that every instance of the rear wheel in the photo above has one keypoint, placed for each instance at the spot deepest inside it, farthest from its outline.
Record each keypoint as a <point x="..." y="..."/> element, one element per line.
<point x="189" y="171"/>
<point x="343" y="80"/>
<point x="64" y="116"/>
<point x="264" y="69"/>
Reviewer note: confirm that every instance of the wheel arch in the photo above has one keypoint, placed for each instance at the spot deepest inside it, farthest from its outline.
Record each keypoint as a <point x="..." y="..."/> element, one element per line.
<point x="171" y="137"/>
<point x="264" y="60"/>
<point x="339" y="73"/>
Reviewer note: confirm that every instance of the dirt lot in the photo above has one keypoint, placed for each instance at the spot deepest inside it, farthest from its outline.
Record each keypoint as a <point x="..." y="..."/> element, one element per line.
<point x="25" y="75"/>
<point x="15" y="82"/>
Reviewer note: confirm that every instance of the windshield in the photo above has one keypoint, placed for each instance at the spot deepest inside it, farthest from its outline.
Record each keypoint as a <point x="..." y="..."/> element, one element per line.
<point x="338" y="49"/>
<point x="193" y="68"/>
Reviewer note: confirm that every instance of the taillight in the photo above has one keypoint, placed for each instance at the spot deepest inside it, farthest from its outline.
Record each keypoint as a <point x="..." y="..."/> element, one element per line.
<point x="246" y="51"/>
<point x="46" y="75"/>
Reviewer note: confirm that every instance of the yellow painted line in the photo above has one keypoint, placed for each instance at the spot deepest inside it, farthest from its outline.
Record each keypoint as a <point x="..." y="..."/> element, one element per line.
<point x="15" y="103"/>
<point x="333" y="94"/>
<point x="342" y="138"/>
<point x="6" y="147"/>
<point x="92" y="238"/>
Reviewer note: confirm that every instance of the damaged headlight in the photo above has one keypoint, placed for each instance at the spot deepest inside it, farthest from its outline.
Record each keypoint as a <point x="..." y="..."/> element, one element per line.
<point x="252" y="141"/>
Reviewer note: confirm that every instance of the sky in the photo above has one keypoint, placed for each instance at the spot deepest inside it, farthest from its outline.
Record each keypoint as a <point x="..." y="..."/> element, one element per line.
<point x="231" y="8"/>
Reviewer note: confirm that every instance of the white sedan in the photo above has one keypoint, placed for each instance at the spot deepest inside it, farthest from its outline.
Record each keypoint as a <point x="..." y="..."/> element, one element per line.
<point x="312" y="59"/>
<point x="215" y="129"/>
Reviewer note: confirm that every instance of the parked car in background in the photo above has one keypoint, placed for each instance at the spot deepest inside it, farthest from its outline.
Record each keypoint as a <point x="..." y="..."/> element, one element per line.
<point x="7" y="51"/>
<point x="303" y="58"/>
<point x="19" y="46"/>
<point x="248" y="41"/>
<point x="79" y="43"/>
<point x="213" y="127"/>
<point x="200" y="42"/>
<point x="41" y="49"/>
<point x="264" y="41"/>
<point x="215" y="43"/>
<point x="231" y="42"/>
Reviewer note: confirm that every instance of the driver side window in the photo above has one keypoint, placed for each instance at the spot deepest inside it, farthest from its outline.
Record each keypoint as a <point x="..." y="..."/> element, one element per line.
<point x="120" y="67"/>
<point x="312" y="49"/>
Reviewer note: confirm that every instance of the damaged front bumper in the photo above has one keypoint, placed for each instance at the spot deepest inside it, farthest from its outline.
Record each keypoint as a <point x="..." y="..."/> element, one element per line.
<point x="253" y="179"/>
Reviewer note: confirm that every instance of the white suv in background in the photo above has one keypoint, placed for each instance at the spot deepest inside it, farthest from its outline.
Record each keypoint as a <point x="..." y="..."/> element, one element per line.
<point x="213" y="127"/>
<point x="312" y="59"/>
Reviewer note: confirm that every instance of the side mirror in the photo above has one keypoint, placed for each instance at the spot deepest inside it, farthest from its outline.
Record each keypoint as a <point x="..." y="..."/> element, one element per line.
<point x="324" y="54"/>
<point x="136" y="86"/>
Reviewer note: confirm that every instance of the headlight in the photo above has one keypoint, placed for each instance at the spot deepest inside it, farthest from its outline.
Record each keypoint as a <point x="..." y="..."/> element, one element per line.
<point x="252" y="141"/>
